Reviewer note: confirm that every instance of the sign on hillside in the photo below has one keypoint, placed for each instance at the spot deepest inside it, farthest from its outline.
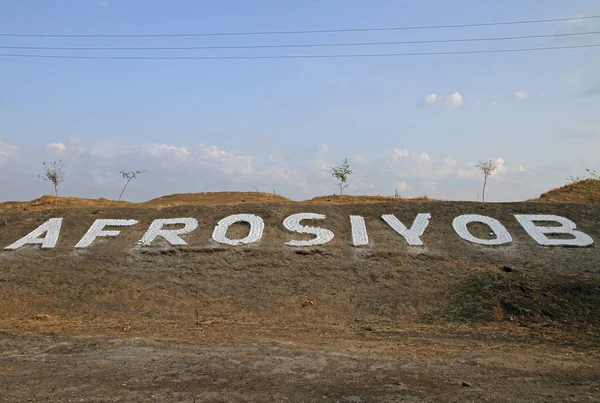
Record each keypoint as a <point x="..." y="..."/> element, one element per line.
<point x="560" y="232"/>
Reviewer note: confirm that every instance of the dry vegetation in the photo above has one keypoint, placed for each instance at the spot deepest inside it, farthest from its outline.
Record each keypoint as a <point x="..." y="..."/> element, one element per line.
<point x="584" y="191"/>
<point x="450" y="321"/>
<point x="183" y="199"/>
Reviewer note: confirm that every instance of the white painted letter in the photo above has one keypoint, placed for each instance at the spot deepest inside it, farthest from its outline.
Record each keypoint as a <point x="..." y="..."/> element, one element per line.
<point x="257" y="226"/>
<point x="292" y="223"/>
<point x="460" y="226"/>
<point x="413" y="234"/>
<point x="97" y="229"/>
<point x="539" y="233"/>
<point x="50" y="227"/>
<point x="171" y="235"/>
<point x="359" y="231"/>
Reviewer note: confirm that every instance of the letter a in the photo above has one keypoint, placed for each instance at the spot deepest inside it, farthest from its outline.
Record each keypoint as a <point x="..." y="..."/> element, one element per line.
<point x="50" y="227"/>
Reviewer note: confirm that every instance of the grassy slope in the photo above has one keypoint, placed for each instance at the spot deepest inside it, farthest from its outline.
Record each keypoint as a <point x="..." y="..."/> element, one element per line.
<point x="585" y="191"/>
<point x="385" y="284"/>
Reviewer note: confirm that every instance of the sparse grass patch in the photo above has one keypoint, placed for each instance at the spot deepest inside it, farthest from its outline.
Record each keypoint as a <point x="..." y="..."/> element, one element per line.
<point x="583" y="191"/>
<point x="510" y="296"/>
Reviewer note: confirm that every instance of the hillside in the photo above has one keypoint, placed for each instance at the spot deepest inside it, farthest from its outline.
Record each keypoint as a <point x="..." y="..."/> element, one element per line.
<point x="268" y="321"/>
<point x="181" y="199"/>
<point x="350" y="199"/>
<point x="585" y="191"/>
<point x="48" y="202"/>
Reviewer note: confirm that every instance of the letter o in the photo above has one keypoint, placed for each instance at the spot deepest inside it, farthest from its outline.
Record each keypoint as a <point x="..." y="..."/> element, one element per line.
<point x="257" y="226"/>
<point x="460" y="227"/>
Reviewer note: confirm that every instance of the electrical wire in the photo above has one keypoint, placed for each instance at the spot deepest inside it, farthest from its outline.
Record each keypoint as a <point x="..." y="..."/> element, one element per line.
<point x="320" y="31"/>
<point x="304" y="45"/>
<point x="465" y="52"/>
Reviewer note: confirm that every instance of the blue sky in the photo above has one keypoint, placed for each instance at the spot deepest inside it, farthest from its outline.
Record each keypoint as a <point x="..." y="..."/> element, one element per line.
<point x="279" y="125"/>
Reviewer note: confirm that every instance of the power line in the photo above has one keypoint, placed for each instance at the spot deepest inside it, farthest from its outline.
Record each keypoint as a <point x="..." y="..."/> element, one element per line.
<point x="305" y="45"/>
<point x="465" y="52"/>
<point x="320" y="31"/>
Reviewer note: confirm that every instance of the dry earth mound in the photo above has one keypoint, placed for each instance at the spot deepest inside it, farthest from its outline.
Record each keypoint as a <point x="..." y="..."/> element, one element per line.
<point x="349" y="199"/>
<point x="181" y="199"/>
<point x="585" y="191"/>
<point x="386" y="282"/>
<point x="48" y="202"/>
<point x="447" y="321"/>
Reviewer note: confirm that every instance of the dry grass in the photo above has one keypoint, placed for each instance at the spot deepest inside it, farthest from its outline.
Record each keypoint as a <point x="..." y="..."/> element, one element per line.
<point x="182" y="199"/>
<point x="585" y="191"/>
<point x="348" y="199"/>
<point x="47" y="202"/>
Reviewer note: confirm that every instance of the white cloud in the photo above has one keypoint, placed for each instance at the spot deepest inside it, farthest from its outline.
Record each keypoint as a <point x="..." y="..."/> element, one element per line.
<point x="319" y="165"/>
<point x="421" y="157"/>
<point x="106" y="149"/>
<point x="500" y="165"/>
<point x="321" y="148"/>
<point x="471" y="170"/>
<point x="399" y="153"/>
<point x="453" y="100"/>
<point x="7" y="152"/>
<point x="169" y="152"/>
<point x="56" y="147"/>
<point x="401" y="186"/>
<point x="317" y="151"/>
<point x="169" y="168"/>
<point x="521" y="95"/>
<point x="358" y="159"/>
<point x="431" y="99"/>
<point x="478" y="101"/>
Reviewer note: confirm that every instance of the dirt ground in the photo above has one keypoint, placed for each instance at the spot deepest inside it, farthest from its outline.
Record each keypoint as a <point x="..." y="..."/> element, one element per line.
<point x="48" y="202"/>
<point x="449" y="321"/>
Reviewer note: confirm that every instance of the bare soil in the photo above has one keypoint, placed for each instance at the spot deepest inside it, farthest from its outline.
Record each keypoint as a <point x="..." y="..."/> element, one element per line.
<point x="449" y="321"/>
<point x="49" y="202"/>
<point x="350" y="199"/>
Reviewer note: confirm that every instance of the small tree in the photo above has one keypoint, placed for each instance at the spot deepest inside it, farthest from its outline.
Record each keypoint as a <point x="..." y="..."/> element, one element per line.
<point x="128" y="176"/>
<point x="590" y="174"/>
<point x="53" y="172"/>
<point x="487" y="168"/>
<point x="341" y="173"/>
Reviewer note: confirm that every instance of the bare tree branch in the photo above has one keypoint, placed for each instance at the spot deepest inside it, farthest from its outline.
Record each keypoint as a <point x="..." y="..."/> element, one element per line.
<point x="128" y="176"/>
<point x="487" y="168"/>
<point x="53" y="172"/>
